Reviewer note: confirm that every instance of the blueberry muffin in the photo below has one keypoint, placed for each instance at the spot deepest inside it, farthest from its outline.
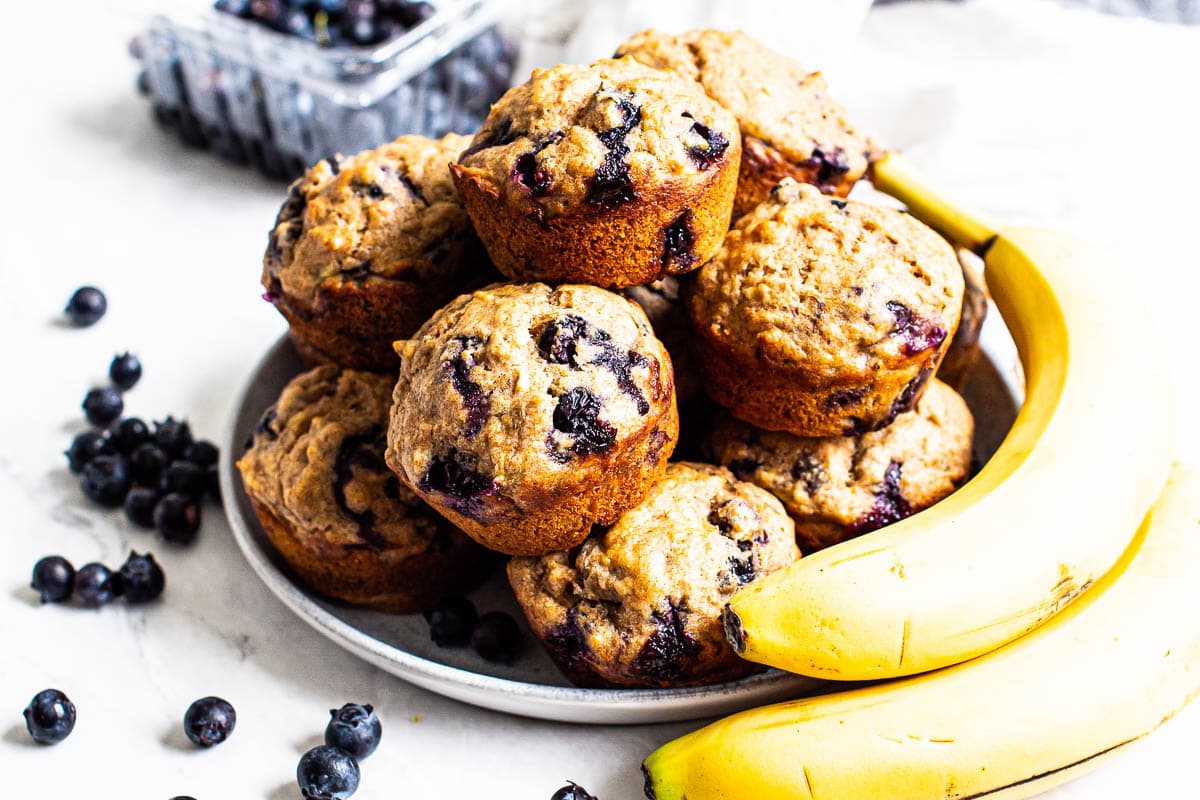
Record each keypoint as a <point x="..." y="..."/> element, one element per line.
<point x="612" y="174"/>
<point x="964" y="350"/>
<point x="837" y="488"/>
<point x="823" y="317"/>
<point x="365" y="248"/>
<point x="791" y="127"/>
<point x="639" y="604"/>
<point x="315" y="474"/>
<point x="528" y="414"/>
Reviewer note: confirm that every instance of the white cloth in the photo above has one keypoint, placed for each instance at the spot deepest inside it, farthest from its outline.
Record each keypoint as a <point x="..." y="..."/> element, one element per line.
<point x="1031" y="112"/>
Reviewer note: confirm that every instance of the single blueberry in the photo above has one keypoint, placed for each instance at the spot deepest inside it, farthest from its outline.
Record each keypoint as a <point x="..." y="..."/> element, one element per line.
<point x="496" y="637"/>
<point x="173" y="436"/>
<point x="85" y="447"/>
<point x="209" y="721"/>
<point x="183" y="477"/>
<point x="327" y="773"/>
<point x="177" y="518"/>
<point x="451" y="622"/>
<point x="355" y="729"/>
<point x="572" y="791"/>
<point x="139" y="506"/>
<point x="102" y="406"/>
<point x="105" y="480"/>
<point x="128" y="434"/>
<point x="50" y="717"/>
<point x="86" y="306"/>
<point x="53" y="578"/>
<point x="202" y="453"/>
<point x="125" y="370"/>
<point x="141" y="578"/>
<point x="147" y="462"/>
<point x="96" y="585"/>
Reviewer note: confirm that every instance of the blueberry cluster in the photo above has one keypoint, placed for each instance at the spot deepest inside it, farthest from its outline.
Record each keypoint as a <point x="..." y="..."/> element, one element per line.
<point x="333" y="23"/>
<point x="160" y="476"/>
<point x="495" y="636"/>
<point x="139" y="580"/>
<point x="330" y="771"/>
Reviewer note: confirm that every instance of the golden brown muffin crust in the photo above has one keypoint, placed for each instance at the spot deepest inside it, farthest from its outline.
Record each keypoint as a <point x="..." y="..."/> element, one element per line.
<point x="839" y="487"/>
<point x="639" y="604"/>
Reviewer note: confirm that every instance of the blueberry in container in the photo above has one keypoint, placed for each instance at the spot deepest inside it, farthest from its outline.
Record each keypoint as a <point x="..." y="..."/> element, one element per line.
<point x="281" y="84"/>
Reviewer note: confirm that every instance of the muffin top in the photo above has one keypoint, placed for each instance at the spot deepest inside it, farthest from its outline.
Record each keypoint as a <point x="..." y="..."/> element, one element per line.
<point x="859" y="482"/>
<point x="513" y="389"/>
<point x="775" y="99"/>
<point x="827" y="286"/>
<point x="391" y="213"/>
<point x="644" y="597"/>
<point x="599" y="136"/>
<point x="316" y="462"/>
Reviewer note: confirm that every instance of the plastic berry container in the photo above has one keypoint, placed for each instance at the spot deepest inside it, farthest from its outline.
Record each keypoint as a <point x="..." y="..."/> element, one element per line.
<point x="255" y="95"/>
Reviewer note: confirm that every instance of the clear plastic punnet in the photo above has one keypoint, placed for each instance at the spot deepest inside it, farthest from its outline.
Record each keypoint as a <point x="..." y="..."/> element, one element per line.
<point x="254" y="95"/>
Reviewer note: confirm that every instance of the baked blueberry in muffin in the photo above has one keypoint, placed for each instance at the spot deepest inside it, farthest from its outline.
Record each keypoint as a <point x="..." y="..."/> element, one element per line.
<point x="316" y="477"/>
<point x="791" y="127"/>
<point x="613" y="174"/>
<point x="823" y="317"/>
<point x="366" y="247"/>
<point x="528" y="414"/>
<point x="639" y="603"/>
<point x="837" y="488"/>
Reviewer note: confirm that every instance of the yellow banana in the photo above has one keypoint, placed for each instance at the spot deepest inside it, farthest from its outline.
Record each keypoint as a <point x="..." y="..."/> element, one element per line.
<point x="1050" y="512"/>
<point x="1107" y="670"/>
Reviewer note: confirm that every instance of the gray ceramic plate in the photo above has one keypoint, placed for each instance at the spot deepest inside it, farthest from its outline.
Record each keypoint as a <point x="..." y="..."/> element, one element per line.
<point x="531" y="686"/>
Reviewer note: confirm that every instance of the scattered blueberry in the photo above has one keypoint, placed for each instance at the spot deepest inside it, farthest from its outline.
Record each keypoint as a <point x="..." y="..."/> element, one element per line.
<point x="202" y="453"/>
<point x="147" y="462"/>
<point x="85" y="447"/>
<point x="125" y="370"/>
<point x="50" y="717"/>
<point x="86" y="306"/>
<point x="173" y="436"/>
<point x="128" y="434"/>
<point x="96" y="585"/>
<point x="105" y="480"/>
<point x="327" y="773"/>
<point x="209" y="721"/>
<point x="183" y="477"/>
<point x="53" y="579"/>
<point x="102" y="406"/>
<point x="139" y="506"/>
<point x="496" y="637"/>
<point x="572" y="791"/>
<point x="451" y="622"/>
<point x="177" y="518"/>
<point x="355" y="729"/>
<point x="141" y="578"/>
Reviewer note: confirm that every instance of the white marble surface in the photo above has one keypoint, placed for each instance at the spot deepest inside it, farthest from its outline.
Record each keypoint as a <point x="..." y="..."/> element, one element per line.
<point x="1032" y="113"/>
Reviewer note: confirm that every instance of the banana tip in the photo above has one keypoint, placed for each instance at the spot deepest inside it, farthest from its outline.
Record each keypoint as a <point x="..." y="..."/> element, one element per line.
<point x="733" y="630"/>
<point x="648" y="786"/>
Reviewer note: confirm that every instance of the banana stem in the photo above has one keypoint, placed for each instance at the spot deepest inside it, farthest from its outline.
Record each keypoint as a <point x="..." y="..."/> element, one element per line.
<point x="896" y="175"/>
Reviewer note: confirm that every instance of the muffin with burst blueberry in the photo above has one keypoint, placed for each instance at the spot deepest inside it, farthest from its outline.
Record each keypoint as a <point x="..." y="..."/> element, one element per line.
<point x="613" y="174"/>
<point x="528" y="414"/>
<point x="790" y="125"/>
<point x="365" y="248"/>
<point x="316" y="477"/>
<point x="639" y="603"/>
<point x="823" y="317"/>
<point x="836" y="488"/>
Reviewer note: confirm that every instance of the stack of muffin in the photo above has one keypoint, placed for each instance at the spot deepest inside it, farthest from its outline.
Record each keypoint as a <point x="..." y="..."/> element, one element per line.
<point x="560" y="290"/>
